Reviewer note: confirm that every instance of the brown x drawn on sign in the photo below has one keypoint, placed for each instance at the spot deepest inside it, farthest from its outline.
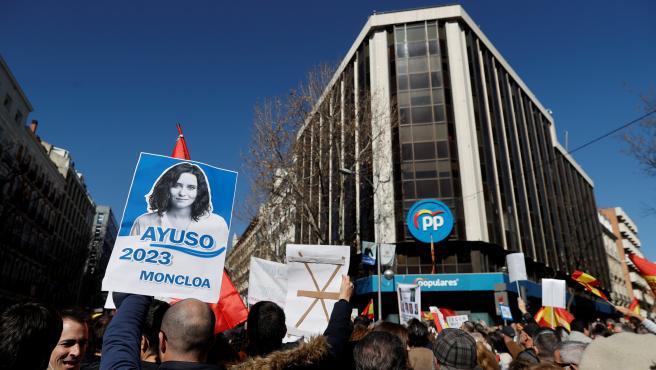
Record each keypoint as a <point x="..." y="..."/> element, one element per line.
<point x="318" y="295"/>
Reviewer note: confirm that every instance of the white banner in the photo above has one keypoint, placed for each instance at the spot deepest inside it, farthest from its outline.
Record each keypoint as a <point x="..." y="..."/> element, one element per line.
<point x="516" y="267"/>
<point x="553" y="293"/>
<point x="387" y="254"/>
<point x="314" y="276"/>
<point x="409" y="297"/>
<point x="267" y="282"/>
<point x="457" y="321"/>
<point x="174" y="230"/>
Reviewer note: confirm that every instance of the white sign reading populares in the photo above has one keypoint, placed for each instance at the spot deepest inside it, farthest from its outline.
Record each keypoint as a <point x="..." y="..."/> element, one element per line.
<point x="314" y="276"/>
<point x="267" y="281"/>
<point x="174" y="230"/>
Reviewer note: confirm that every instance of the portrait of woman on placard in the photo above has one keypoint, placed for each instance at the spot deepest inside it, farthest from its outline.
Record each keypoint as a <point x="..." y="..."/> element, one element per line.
<point x="181" y="199"/>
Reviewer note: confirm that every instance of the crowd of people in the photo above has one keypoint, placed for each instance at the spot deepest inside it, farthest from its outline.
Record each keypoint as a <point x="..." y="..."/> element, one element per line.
<point x="148" y="334"/>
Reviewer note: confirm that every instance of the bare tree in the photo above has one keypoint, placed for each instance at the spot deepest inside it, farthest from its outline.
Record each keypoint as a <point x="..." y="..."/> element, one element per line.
<point x="642" y="140"/>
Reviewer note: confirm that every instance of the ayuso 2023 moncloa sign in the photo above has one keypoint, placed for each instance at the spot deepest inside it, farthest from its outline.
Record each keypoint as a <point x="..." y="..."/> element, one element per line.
<point x="174" y="230"/>
<point x="430" y="220"/>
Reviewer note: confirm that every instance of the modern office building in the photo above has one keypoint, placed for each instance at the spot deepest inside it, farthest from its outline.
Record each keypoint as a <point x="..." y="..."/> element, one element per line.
<point x="627" y="242"/>
<point x="424" y="106"/>
<point x="45" y="210"/>
<point x="104" y="232"/>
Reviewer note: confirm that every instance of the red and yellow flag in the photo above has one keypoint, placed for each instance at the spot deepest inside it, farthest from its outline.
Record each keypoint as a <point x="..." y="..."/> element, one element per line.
<point x="589" y="282"/>
<point x="551" y="317"/>
<point x="368" y="311"/>
<point x="635" y="306"/>
<point x="647" y="270"/>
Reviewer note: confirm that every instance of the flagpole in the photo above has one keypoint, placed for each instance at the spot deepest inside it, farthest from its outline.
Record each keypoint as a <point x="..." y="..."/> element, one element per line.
<point x="432" y="254"/>
<point x="553" y="318"/>
<point x="519" y="292"/>
<point x="380" y="303"/>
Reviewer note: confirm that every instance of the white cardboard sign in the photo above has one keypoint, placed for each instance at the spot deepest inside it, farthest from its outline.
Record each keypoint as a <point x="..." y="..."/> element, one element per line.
<point x="174" y="230"/>
<point x="314" y="277"/>
<point x="553" y="293"/>
<point x="409" y="296"/>
<point x="516" y="267"/>
<point x="457" y="321"/>
<point x="267" y="282"/>
<point x="387" y="253"/>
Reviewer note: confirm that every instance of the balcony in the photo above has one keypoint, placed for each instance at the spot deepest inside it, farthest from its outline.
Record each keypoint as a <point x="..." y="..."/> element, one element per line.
<point x="625" y="219"/>
<point x="629" y="234"/>
<point x="630" y="247"/>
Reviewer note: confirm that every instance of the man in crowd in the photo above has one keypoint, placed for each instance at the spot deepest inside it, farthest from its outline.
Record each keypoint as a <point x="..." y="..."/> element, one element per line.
<point x="28" y="333"/>
<point x="579" y="331"/>
<point x="150" y="335"/>
<point x="569" y="354"/>
<point x="380" y="350"/>
<point x="546" y="343"/>
<point x="72" y="344"/>
<point x="454" y="349"/>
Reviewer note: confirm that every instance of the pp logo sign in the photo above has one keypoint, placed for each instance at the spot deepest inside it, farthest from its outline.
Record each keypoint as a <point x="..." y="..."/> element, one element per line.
<point x="430" y="220"/>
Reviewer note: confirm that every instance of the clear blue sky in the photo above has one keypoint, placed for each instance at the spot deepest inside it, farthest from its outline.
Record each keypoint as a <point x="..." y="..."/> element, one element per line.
<point x="110" y="79"/>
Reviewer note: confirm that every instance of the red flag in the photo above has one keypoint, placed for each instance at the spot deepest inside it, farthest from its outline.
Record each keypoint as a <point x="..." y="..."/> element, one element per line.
<point x="589" y="282"/>
<point x="180" y="150"/>
<point x="368" y="311"/>
<point x="230" y="311"/>
<point x="551" y="317"/>
<point x="647" y="270"/>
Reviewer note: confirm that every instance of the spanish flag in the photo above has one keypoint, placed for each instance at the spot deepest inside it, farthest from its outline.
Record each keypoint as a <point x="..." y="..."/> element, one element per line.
<point x="634" y="306"/>
<point x="368" y="311"/>
<point x="551" y="317"/>
<point x="589" y="282"/>
<point x="647" y="270"/>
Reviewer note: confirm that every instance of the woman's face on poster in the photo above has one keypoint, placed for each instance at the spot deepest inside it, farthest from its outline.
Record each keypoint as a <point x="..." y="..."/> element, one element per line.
<point x="184" y="191"/>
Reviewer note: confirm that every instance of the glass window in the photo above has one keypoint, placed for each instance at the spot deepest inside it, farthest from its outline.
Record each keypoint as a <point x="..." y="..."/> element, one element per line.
<point x="404" y="116"/>
<point x="443" y="168"/>
<point x="441" y="131"/>
<point x="424" y="150"/>
<point x="426" y="188"/>
<point x="442" y="149"/>
<point x="423" y="132"/>
<point x="402" y="50"/>
<point x="435" y="63"/>
<point x="403" y="82"/>
<point x="420" y="97"/>
<point x="406" y="151"/>
<point x="407" y="171"/>
<point x="439" y="113"/>
<point x="438" y="96"/>
<point x="417" y="65"/>
<point x="408" y="189"/>
<point x="422" y="115"/>
<point x="419" y="81"/>
<point x="432" y="48"/>
<point x="416" y="33"/>
<point x="403" y="98"/>
<point x="405" y="134"/>
<point x="425" y="170"/>
<point x="413" y="261"/>
<point x="416" y="49"/>
<point x="432" y="31"/>
<point x="436" y="79"/>
<point x="399" y="34"/>
<point x="445" y="188"/>
<point x="401" y="66"/>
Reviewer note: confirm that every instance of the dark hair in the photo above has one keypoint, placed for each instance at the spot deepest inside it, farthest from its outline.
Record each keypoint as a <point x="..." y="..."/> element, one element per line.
<point x="76" y="315"/>
<point x="395" y="329"/>
<point x="97" y="331"/>
<point x="28" y="334"/>
<point x="152" y="325"/>
<point x="380" y="350"/>
<point x="578" y="325"/>
<point x="495" y="339"/>
<point x="546" y="341"/>
<point x="265" y="328"/>
<point x="160" y="198"/>
<point x="417" y="333"/>
<point x="598" y="329"/>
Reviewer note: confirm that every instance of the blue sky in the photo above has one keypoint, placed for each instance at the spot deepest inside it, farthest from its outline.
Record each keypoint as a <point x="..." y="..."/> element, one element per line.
<point x="110" y="79"/>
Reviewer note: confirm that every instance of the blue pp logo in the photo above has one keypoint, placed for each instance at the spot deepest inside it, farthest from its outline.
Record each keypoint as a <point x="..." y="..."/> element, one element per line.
<point x="430" y="220"/>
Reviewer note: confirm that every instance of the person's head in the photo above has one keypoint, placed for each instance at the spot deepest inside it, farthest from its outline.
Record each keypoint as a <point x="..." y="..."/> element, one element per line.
<point x="380" y="350"/>
<point x="486" y="359"/>
<point x="265" y="328"/>
<point x="417" y="333"/>
<point x="527" y="333"/>
<point x="562" y="332"/>
<point x="187" y="332"/>
<point x="545" y="343"/>
<point x="580" y="326"/>
<point x="598" y="330"/>
<point x="569" y="354"/>
<point x="496" y="341"/>
<point x="454" y="349"/>
<point x="150" y="331"/>
<point x="72" y="345"/>
<point x="181" y="186"/>
<point x="395" y="329"/>
<point x="468" y="326"/>
<point x="28" y="333"/>
<point x="97" y="329"/>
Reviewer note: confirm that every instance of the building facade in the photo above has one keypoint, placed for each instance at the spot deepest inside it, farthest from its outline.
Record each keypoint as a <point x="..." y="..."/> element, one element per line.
<point x="104" y="232"/>
<point x="627" y="242"/>
<point x="620" y="294"/>
<point x="45" y="210"/>
<point x="424" y="106"/>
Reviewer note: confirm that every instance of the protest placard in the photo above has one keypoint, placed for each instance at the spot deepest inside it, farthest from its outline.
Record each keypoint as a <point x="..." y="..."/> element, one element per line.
<point x="457" y="321"/>
<point x="505" y="312"/>
<point x="314" y="276"/>
<point x="267" y="281"/>
<point x="516" y="267"/>
<point x="553" y="293"/>
<point x="387" y="254"/>
<point x="409" y="298"/>
<point x="369" y="253"/>
<point x="174" y="230"/>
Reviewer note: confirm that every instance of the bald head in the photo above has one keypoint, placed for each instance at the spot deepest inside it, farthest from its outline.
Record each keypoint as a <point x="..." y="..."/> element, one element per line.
<point x="188" y="331"/>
